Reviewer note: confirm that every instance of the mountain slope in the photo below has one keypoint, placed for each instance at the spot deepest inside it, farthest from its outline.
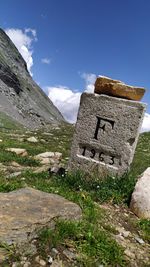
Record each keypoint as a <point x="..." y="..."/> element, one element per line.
<point x="20" y="97"/>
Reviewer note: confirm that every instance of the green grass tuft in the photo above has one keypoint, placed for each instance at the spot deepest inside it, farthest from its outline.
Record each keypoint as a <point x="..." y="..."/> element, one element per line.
<point x="6" y="156"/>
<point x="93" y="245"/>
<point x="144" y="225"/>
<point x="114" y="189"/>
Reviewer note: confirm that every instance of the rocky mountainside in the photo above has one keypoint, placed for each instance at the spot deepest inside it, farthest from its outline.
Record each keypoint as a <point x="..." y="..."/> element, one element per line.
<point x="20" y="97"/>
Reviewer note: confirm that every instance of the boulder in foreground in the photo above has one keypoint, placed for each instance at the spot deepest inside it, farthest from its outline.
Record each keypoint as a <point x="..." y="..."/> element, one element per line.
<point x="107" y="86"/>
<point x="25" y="211"/>
<point x="140" y="201"/>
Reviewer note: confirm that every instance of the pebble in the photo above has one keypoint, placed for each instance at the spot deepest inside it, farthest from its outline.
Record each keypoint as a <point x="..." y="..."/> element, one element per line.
<point x="27" y="264"/>
<point x="15" y="174"/>
<point x="139" y="240"/>
<point x="15" y="264"/>
<point x="126" y="233"/>
<point x="42" y="262"/>
<point x="15" y="164"/>
<point x="122" y="231"/>
<point x="24" y="258"/>
<point x="69" y="254"/>
<point x="57" y="263"/>
<point x="119" y="237"/>
<point x="32" y="139"/>
<point x="54" y="252"/>
<point x="37" y="259"/>
<point x="43" y="141"/>
<point x="50" y="259"/>
<point x="129" y="254"/>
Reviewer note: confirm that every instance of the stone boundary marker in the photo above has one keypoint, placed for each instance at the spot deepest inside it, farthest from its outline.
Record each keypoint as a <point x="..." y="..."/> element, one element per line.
<point x="106" y="132"/>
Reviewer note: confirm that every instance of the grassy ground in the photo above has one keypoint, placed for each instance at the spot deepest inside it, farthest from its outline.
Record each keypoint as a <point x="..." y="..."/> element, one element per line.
<point x="7" y="123"/>
<point x="92" y="239"/>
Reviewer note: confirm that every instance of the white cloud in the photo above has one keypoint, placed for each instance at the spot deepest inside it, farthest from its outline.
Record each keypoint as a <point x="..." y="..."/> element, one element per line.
<point x="146" y="123"/>
<point x="89" y="81"/>
<point x="66" y="101"/>
<point x="32" y="31"/>
<point x="23" y="40"/>
<point x="46" y="60"/>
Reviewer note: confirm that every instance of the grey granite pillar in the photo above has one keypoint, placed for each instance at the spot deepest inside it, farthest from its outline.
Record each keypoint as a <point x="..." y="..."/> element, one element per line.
<point x="106" y="134"/>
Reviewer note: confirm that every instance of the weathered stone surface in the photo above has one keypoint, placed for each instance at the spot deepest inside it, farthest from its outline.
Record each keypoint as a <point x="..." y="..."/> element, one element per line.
<point x="49" y="157"/>
<point x="57" y="263"/>
<point x="107" y="86"/>
<point x="32" y="139"/>
<point x="140" y="201"/>
<point x="12" y="175"/>
<point x="106" y="134"/>
<point x="44" y="168"/>
<point x="25" y="211"/>
<point x="14" y="164"/>
<point x="19" y="151"/>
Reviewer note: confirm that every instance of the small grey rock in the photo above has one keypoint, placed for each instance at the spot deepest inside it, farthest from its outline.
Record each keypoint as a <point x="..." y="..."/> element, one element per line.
<point x="69" y="254"/>
<point x="42" y="262"/>
<point x="15" y="174"/>
<point x="139" y="240"/>
<point x="50" y="259"/>
<point x="32" y="139"/>
<point x="27" y="264"/>
<point x="15" y="264"/>
<point x="37" y="259"/>
<point x="54" y="252"/>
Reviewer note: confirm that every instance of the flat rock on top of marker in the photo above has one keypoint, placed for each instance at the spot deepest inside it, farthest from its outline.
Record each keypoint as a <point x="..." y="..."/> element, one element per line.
<point x="108" y="86"/>
<point x="26" y="210"/>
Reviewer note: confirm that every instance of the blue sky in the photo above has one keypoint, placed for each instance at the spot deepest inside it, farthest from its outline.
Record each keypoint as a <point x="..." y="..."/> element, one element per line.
<point x="73" y="41"/>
